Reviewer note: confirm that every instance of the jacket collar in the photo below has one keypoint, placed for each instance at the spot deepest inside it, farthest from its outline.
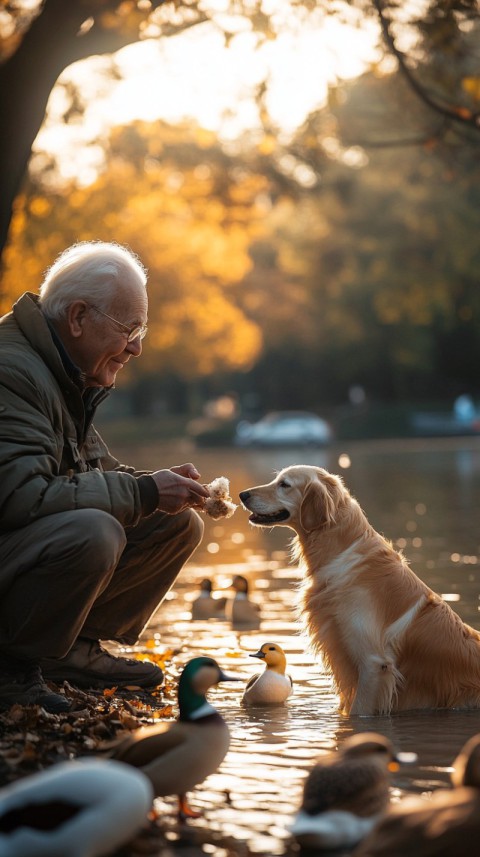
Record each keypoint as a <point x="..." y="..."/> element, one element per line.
<point x="42" y="336"/>
<point x="74" y="373"/>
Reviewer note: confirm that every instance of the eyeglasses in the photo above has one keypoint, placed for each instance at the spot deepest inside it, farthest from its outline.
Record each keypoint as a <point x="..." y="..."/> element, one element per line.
<point x="139" y="331"/>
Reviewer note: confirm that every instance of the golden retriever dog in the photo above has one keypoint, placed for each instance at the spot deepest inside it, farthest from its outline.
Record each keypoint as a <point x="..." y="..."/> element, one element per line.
<point x="389" y="641"/>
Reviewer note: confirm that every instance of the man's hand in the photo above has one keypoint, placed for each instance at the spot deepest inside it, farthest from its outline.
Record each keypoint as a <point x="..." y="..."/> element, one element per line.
<point x="188" y="470"/>
<point x="179" y="489"/>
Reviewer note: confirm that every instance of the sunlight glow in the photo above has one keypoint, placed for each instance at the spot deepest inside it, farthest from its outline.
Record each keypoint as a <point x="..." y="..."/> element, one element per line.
<point x="213" y="547"/>
<point x="170" y="79"/>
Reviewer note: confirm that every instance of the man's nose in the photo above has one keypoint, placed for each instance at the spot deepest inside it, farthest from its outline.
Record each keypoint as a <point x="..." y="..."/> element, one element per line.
<point x="134" y="347"/>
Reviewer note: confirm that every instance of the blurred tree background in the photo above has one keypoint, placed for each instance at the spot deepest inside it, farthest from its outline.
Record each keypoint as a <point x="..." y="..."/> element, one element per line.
<point x="286" y="269"/>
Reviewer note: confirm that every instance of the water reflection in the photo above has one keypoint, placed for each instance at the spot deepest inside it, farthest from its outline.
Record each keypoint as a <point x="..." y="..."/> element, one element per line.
<point x="425" y="497"/>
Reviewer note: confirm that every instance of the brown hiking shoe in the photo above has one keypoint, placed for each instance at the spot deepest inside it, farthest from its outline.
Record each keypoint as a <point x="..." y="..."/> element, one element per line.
<point x="22" y="683"/>
<point x="89" y="665"/>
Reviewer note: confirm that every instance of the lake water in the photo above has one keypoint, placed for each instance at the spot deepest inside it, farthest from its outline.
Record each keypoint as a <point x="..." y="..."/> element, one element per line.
<point x="425" y="497"/>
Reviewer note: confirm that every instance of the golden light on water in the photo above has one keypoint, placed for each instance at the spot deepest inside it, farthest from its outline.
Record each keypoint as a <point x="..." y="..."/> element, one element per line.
<point x="213" y="547"/>
<point x="252" y="798"/>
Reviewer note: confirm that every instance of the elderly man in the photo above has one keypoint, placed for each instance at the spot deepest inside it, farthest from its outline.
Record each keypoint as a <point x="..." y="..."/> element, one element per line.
<point x="88" y="547"/>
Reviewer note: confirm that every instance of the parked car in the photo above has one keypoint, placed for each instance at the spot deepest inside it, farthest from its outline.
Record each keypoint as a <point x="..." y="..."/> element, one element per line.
<point x="284" y="428"/>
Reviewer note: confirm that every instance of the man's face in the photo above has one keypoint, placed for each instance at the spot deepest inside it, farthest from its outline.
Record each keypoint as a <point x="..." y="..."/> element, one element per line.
<point x="98" y="345"/>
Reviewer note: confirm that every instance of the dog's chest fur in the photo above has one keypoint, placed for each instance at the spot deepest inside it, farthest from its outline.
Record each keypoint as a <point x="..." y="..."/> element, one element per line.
<point x="335" y="611"/>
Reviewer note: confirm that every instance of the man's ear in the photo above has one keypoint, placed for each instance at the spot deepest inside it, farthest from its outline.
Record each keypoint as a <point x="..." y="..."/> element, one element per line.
<point x="76" y="318"/>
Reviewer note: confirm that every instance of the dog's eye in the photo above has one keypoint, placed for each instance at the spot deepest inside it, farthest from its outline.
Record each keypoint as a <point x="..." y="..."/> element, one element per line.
<point x="283" y="484"/>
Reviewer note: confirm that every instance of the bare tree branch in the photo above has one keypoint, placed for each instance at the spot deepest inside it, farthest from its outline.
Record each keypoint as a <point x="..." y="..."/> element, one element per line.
<point x="456" y="114"/>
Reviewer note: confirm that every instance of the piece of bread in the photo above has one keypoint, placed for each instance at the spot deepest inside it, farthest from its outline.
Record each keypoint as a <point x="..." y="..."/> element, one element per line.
<point x="219" y="504"/>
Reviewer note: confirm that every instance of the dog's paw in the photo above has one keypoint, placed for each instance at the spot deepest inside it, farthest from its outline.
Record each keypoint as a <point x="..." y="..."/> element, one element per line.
<point x="219" y="504"/>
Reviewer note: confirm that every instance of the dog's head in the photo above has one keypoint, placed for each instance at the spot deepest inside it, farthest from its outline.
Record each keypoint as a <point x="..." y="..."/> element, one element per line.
<point x="302" y="497"/>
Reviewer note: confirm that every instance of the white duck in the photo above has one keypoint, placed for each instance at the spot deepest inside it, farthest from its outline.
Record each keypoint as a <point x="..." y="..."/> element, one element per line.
<point x="81" y="808"/>
<point x="272" y="686"/>
<point x="346" y="792"/>
<point x="178" y="756"/>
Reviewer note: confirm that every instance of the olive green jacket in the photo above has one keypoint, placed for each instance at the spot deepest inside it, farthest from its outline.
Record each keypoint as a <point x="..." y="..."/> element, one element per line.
<point x="51" y="458"/>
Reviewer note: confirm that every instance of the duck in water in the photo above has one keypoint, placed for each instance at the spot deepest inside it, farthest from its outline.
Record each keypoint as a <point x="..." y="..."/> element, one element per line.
<point x="243" y="613"/>
<point x="272" y="686"/>
<point x="178" y="756"/>
<point x="206" y="605"/>
<point x="445" y="825"/>
<point x="346" y="792"/>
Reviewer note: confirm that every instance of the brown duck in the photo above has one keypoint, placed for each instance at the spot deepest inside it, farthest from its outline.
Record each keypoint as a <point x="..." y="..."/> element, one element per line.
<point x="345" y="793"/>
<point x="445" y="825"/>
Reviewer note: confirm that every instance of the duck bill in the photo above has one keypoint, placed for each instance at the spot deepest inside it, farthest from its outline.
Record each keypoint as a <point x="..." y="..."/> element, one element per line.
<point x="227" y="677"/>
<point x="260" y="655"/>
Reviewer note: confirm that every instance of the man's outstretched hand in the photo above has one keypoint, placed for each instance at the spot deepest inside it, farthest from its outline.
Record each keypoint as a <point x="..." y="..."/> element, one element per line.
<point x="179" y="489"/>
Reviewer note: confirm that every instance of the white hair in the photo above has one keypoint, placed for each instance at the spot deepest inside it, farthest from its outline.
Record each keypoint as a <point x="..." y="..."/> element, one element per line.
<point x="90" y="271"/>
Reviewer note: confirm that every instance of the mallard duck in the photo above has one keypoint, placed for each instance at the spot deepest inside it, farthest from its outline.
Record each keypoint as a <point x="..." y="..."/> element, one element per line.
<point x="345" y="793"/>
<point x="243" y="613"/>
<point x="206" y="606"/>
<point x="80" y="808"/>
<point x="445" y="825"/>
<point x="180" y="755"/>
<point x="272" y="686"/>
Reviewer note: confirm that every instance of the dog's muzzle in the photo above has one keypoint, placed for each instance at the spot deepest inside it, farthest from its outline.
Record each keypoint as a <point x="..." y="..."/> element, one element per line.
<point x="261" y="519"/>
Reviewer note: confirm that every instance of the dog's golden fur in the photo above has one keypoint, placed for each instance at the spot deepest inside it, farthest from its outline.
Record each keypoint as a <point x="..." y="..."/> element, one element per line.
<point x="389" y="641"/>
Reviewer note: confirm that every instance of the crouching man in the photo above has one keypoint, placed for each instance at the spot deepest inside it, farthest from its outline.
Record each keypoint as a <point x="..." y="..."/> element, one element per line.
<point x="88" y="547"/>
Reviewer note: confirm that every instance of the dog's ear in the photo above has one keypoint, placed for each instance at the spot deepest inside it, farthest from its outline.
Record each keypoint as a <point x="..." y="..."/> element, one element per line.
<point x="318" y="505"/>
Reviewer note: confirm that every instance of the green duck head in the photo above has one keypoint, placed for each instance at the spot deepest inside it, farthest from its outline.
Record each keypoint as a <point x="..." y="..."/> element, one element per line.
<point x="198" y="676"/>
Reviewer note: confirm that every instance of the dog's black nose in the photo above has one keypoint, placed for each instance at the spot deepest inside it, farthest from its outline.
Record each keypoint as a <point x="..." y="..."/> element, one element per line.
<point x="244" y="495"/>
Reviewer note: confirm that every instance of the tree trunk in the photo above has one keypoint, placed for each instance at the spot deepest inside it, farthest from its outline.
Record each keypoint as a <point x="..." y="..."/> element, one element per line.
<point x="26" y="81"/>
<point x="27" y="78"/>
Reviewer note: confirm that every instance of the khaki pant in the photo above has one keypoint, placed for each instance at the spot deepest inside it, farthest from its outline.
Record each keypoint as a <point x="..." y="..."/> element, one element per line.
<point x="81" y="572"/>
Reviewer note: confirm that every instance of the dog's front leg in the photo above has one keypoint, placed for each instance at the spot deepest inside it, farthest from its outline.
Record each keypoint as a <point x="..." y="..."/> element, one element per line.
<point x="378" y="679"/>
